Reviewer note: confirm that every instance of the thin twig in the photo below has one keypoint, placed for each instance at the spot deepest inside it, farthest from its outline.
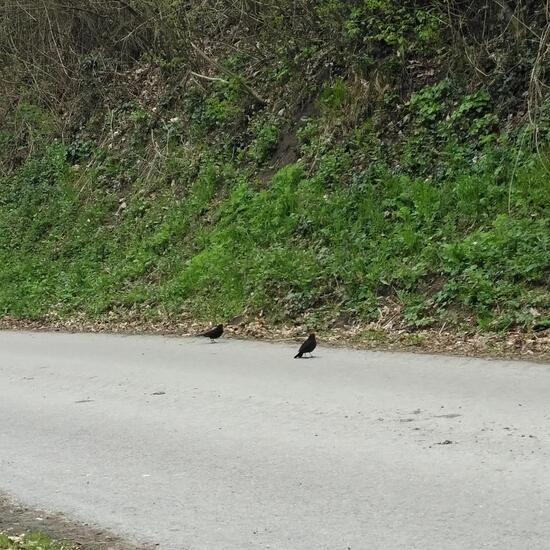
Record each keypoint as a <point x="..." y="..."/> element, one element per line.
<point x="214" y="63"/>
<point x="211" y="78"/>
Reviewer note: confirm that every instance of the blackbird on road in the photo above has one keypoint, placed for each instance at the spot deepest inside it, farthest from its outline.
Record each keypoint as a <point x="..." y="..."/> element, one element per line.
<point x="213" y="333"/>
<point x="307" y="347"/>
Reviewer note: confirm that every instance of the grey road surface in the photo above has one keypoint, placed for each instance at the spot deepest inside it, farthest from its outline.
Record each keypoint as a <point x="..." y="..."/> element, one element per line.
<point x="235" y="445"/>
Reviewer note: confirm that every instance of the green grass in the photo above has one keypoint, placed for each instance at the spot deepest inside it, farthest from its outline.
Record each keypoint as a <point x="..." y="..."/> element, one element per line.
<point x="381" y="177"/>
<point x="34" y="541"/>
<point x="473" y="245"/>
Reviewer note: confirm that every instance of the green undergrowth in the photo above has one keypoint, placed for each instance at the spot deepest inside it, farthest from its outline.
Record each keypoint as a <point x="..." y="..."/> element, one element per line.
<point x="476" y="245"/>
<point x="34" y="541"/>
<point x="358" y="162"/>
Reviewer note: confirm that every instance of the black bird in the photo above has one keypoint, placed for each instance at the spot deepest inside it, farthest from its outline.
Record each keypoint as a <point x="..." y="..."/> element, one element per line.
<point x="307" y="347"/>
<point x="213" y="333"/>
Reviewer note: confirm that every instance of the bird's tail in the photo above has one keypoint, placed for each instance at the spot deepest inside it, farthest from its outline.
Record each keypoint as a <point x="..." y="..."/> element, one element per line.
<point x="298" y="355"/>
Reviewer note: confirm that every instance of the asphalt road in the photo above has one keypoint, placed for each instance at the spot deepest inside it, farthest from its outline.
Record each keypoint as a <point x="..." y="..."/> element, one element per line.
<point x="236" y="445"/>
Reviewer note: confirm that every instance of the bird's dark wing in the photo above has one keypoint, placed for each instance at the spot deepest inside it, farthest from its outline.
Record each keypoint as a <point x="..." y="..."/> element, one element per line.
<point x="215" y="332"/>
<point x="305" y="347"/>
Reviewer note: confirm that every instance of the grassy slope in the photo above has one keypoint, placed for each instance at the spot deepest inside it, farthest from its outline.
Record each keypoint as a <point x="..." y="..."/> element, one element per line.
<point x="351" y="195"/>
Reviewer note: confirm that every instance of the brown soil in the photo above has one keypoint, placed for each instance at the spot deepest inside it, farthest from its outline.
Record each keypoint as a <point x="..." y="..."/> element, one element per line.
<point x="16" y="520"/>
